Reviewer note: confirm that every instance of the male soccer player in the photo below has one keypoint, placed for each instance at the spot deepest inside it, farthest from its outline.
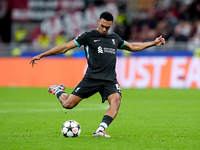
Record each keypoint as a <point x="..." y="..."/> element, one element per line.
<point x="100" y="49"/>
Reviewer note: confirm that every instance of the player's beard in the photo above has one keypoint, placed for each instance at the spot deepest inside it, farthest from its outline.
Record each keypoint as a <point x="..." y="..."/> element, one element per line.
<point x="103" y="33"/>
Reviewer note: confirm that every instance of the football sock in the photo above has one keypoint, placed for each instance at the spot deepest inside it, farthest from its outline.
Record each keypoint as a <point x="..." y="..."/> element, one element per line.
<point x="58" y="93"/>
<point x="105" y="122"/>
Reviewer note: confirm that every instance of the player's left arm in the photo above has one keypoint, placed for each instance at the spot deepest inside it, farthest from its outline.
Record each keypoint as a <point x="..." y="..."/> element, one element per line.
<point x="140" y="46"/>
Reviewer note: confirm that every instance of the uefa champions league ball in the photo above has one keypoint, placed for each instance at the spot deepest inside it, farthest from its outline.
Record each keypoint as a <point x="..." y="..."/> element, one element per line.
<point x="71" y="128"/>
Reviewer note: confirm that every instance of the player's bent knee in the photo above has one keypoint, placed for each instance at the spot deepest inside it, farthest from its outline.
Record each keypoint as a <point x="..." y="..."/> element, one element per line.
<point x="114" y="99"/>
<point x="118" y="99"/>
<point x="115" y="103"/>
<point x="118" y="103"/>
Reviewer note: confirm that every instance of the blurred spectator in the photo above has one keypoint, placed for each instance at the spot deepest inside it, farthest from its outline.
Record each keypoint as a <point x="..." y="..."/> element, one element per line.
<point x="60" y="39"/>
<point x="183" y="31"/>
<point x="143" y="36"/>
<point x="43" y="40"/>
<point x="195" y="39"/>
<point x="194" y="10"/>
<point x="178" y="36"/>
<point x="123" y="22"/>
<point x="134" y="33"/>
<point x="174" y="9"/>
<point x="184" y="12"/>
<point x="21" y="35"/>
<point x="16" y="52"/>
<point x="151" y="19"/>
<point x="197" y="52"/>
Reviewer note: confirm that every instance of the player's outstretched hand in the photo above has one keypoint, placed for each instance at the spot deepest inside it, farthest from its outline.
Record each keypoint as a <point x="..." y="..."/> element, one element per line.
<point x="34" y="59"/>
<point x="159" y="41"/>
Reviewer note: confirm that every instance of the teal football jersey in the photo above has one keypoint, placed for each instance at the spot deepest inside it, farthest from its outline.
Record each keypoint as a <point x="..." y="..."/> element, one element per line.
<point x="100" y="51"/>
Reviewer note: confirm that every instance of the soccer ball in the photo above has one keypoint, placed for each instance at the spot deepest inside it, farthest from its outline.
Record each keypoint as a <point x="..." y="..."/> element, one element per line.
<point x="71" y="128"/>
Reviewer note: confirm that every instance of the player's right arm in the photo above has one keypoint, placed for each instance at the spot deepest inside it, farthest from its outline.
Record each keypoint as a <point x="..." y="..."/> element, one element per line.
<point x="54" y="51"/>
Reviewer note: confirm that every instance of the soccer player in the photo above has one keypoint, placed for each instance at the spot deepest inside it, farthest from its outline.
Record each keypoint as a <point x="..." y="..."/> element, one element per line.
<point x="100" y="48"/>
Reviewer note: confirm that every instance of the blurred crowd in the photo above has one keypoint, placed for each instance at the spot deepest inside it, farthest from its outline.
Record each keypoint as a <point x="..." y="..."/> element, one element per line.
<point x="178" y="21"/>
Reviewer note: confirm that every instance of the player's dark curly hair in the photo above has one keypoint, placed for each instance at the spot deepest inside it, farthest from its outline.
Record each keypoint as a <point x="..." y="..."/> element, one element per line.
<point x="107" y="16"/>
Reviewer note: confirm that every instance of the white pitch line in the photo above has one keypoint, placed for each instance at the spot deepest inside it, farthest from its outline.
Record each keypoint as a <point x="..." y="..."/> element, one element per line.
<point x="53" y="110"/>
<point x="40" y="104"/>
<point x="30" y="103"/>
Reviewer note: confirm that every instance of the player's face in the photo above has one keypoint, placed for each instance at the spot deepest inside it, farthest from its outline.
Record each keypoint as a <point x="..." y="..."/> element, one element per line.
<point x="103" y="26"/>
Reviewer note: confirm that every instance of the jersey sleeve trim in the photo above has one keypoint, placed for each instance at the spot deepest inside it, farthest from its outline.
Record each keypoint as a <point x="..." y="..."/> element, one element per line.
<point x="77" y="44"/>
<point x="123" y="44"/>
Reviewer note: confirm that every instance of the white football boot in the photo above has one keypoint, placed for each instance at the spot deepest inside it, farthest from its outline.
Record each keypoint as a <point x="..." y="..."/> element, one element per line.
<point x="101" y="133"/>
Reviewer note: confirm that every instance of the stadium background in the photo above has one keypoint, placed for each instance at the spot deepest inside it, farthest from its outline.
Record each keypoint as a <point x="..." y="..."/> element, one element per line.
<point x="29" y="27"/>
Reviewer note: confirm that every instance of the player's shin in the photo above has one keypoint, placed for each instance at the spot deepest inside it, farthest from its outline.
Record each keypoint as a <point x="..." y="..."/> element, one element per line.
<point x="105" y="122"/>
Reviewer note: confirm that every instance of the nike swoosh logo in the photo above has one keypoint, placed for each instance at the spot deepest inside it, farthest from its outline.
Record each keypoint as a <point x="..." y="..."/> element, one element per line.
<point x="96" y="40"/>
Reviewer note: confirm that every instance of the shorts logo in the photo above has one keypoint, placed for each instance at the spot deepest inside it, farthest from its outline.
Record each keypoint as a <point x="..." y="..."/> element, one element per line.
<point x="100" y="50"/>
<point x="118" y="87"/>
<point x="78" y="88"/>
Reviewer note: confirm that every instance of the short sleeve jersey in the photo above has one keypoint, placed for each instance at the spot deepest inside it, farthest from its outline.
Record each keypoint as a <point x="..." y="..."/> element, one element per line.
<point x="100" y="52"/>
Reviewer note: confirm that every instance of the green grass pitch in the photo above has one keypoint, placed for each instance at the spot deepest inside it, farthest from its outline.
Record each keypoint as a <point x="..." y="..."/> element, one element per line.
<point x="158" y="119"/>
